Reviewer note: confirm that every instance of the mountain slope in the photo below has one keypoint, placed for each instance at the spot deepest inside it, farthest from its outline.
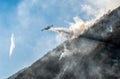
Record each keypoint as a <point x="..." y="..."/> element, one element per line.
<point x="93" y="55"/>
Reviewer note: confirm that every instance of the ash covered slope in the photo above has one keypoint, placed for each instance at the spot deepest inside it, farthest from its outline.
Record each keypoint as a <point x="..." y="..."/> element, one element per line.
<point x="94" y="55"/>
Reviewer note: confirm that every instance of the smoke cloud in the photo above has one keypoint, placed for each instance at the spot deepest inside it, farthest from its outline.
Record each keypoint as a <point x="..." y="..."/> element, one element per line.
<point x="74" y="30"/>
<point x="94" y="10"/>
<point x="12" y="45"/>
<point x="91" y="9"/>
<point x="98" y="8"/>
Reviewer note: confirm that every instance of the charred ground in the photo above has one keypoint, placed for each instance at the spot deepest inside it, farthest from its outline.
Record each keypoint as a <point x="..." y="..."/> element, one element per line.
<point x="93" y="55"/>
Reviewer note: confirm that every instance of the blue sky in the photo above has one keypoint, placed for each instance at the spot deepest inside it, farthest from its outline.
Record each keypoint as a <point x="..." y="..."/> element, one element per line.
<point x="25" y="18"/>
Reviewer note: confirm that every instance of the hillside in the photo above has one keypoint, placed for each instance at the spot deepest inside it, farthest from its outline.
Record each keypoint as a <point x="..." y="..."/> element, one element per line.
<point x="93" y="55"/>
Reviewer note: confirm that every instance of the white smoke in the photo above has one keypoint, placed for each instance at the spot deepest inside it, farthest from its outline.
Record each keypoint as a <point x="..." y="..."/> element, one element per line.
<point x="65" y="52"/>
<point x="12" y="45"/>
<point x="92" y="9"/>
<point x="99" y="7"/>
<point x="79" y="26"/>
<point x="95" y="9"/>
<point x="74" y="30"/>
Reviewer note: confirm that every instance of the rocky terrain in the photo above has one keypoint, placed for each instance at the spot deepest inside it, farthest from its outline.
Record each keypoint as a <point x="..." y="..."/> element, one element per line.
<point x="93" y="55"/>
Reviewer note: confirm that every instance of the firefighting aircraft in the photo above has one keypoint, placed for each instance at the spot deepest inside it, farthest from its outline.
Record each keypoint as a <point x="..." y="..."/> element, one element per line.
<point x="63" y="32"/>
<point x="47" y="28"/>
